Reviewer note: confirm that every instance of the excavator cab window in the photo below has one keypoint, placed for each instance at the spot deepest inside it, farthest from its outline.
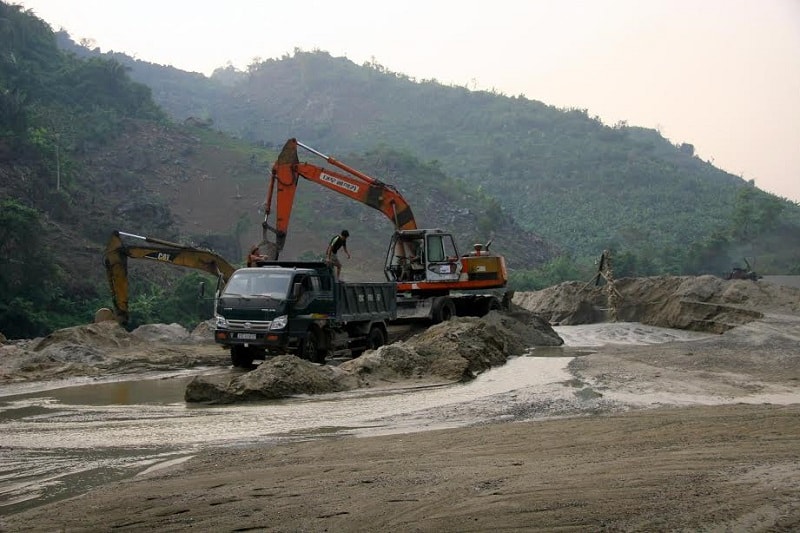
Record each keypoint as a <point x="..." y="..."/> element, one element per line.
<point x="435" y="249"/>
<point x="441" y="248"/>
<point x="418" y="252"/>
<point x="407" y="260"/>
<point x="442" y="258"/>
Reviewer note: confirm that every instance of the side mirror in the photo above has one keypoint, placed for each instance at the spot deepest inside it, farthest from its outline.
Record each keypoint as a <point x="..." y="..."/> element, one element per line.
<point x="297" y="288"/>
<point x="202" y="289"/>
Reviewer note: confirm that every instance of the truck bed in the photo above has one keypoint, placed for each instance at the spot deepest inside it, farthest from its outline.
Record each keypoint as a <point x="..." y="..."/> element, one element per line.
<point x="365" y="301"/>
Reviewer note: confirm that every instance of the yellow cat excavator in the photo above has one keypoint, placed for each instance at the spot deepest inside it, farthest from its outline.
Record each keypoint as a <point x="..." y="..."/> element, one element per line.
<point x="116" y="262"/>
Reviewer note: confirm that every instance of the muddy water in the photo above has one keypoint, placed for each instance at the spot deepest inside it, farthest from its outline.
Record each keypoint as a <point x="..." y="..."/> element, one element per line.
<point x="58" y="442"/>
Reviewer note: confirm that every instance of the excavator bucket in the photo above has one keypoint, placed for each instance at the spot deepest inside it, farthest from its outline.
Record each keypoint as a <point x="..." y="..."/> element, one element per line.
<point x="270" y="250"/>
<point x="288" y="155"/>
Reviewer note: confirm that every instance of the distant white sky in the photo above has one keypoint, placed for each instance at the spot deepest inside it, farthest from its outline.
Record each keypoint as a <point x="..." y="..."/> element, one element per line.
<point x="723" y="75"/>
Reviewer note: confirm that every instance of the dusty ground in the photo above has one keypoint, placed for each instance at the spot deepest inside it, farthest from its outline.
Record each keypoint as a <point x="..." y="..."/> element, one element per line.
<point x="733" y="467"/>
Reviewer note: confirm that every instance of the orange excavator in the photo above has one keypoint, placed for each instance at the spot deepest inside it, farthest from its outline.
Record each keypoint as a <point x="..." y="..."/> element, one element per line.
<point x="424" y="263"/>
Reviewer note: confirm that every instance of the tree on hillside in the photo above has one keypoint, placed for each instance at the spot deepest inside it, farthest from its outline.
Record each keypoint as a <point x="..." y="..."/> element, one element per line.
<point x="27" y="274"/>
<point x="755" y="213"/>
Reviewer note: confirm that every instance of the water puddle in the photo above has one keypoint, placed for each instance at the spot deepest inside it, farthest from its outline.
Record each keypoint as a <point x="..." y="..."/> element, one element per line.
<point x="143" y="392"/>
<point x="38" y="387"/>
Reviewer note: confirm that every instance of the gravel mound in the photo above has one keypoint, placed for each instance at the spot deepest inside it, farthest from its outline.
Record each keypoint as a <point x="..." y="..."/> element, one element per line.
<point x="698" y="303"/>
<point x="456" y="350"/>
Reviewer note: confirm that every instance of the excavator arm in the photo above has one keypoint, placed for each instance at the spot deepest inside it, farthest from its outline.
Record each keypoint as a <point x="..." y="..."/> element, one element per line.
<point x="348" y="181"/>
<point x="116" y="262"/>
<point x="440" y="274"/>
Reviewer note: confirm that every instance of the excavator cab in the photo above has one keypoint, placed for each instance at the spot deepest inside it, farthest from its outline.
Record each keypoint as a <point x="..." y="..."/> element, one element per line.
<point x="422" y="255"/>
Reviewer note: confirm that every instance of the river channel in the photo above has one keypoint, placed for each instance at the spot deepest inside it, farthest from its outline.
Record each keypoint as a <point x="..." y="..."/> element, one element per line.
<point x="61" y="439"/>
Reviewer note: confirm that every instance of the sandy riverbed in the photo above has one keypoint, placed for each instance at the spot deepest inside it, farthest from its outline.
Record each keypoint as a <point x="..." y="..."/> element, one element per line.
<point x="706" y="440"/>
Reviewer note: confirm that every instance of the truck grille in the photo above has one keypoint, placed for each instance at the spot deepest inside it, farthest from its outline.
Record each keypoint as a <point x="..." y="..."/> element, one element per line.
<point x="249" y="325"/>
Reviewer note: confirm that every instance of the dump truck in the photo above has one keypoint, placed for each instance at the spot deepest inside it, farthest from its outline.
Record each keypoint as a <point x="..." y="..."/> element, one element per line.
<point x="296" y="307"/>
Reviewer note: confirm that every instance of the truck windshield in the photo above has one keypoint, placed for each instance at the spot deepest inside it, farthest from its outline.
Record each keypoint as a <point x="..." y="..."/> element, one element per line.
<point x="272" y="284"/>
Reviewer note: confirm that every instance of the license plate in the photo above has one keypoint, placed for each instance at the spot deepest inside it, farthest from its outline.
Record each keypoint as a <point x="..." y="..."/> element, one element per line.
<point x="247" y="336"/>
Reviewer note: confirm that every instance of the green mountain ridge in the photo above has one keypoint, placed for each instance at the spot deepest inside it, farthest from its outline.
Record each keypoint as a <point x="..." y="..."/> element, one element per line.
<point x="84" y="150"/>
<point x="561" y="173"/>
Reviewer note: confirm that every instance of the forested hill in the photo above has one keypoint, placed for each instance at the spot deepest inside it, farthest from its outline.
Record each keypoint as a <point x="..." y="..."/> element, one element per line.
<point x="84" y="150"/>
<point x="560" y="172"/>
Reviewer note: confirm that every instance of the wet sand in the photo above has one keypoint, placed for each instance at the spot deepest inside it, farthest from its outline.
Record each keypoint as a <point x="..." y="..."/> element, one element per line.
<point x="718" y="459"/>
<point x="734" y="468"/>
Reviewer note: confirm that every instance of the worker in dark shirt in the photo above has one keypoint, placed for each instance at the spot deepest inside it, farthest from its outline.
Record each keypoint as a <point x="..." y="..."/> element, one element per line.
<point x="338" y="241"/>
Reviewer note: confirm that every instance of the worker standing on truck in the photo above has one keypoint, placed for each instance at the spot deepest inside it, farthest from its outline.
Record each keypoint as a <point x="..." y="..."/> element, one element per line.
<point x="338" y="241"/>
<point x="254" y="256"/>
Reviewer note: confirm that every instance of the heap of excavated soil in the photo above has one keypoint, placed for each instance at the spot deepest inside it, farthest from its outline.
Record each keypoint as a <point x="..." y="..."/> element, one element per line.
<point x="456" y="350"/>
<point x="701" y="303"/>
<point x="106" y="348"/>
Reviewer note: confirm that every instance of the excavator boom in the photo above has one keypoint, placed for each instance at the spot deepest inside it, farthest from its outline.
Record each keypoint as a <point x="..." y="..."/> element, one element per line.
<point x="346" y="180"/>
<point x="116" y="263"/>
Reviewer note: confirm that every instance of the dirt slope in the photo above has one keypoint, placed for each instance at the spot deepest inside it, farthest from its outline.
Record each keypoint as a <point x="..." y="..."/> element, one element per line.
<point x="699" y="303"/>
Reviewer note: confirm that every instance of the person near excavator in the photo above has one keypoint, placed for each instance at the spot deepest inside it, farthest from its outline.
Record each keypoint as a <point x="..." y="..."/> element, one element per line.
<point x="338" y="241"/>
<point x="254" y="256"/>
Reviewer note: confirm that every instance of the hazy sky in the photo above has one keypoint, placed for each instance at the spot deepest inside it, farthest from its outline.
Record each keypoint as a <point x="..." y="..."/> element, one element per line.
<point x="723" y="75"/>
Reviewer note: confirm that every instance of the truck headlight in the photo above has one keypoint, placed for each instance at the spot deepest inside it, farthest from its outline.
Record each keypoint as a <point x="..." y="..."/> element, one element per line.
<point x="279" y="322"/>
<point x="220" y="321"/>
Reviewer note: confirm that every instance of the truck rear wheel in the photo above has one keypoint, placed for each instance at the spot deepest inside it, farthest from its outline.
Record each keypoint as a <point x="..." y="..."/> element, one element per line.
<point x="376" y="338"/>
<point x="443" y="310"/>
<point x="241" y="356"/>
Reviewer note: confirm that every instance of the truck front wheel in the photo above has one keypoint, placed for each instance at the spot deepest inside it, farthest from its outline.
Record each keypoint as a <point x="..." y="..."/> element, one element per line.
<point x="241" y="356"/>
<point x="312" y="348"/>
